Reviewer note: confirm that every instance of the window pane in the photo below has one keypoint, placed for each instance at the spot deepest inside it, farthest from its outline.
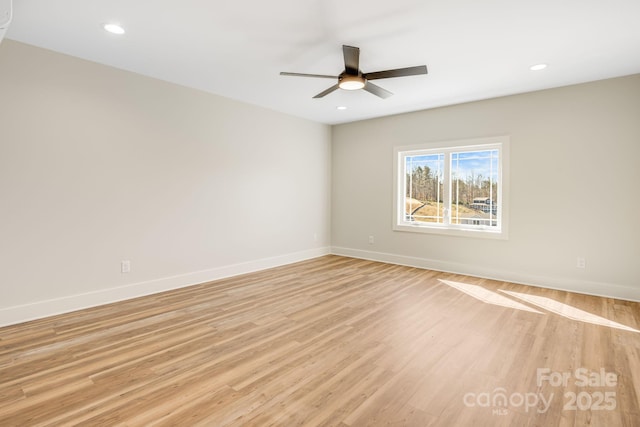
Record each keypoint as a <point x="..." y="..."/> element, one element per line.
<point x="452" y="188"/>
<point x="474" y="193"/>
<point x="423" y="199"/>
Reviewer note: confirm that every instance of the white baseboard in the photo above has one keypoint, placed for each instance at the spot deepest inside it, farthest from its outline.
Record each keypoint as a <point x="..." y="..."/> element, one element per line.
<point x="600" y="289"/>
<point x="40" y="309"/>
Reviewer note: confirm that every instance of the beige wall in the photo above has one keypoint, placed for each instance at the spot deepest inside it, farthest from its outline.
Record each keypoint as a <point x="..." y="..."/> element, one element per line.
<point x="573" y="188"/>
<point x="99" y="165"/>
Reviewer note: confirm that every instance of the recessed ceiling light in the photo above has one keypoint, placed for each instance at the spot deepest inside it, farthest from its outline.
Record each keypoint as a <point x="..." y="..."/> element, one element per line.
<point x="342" y="107"/>
<point x="538" y="67"/>
<point x="114" y="28"/>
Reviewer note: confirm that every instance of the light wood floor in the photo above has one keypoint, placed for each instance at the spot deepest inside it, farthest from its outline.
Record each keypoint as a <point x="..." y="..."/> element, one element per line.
<point x="331" y="341"/>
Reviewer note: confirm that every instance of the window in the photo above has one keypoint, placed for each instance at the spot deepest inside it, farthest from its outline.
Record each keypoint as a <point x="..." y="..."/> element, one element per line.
<point x="455" y="188"/>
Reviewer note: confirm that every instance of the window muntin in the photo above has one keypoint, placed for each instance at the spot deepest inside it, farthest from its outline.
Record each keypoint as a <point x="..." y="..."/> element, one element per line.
<point x="453" y="188"/>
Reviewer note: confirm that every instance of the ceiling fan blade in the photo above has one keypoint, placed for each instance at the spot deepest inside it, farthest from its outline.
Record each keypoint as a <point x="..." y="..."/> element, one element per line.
<point x="377" y="90"/>
<point x="351" y="59"/>
<point x="327" y="92"/>
<point x="399" y="72"/>
<point x="323" y="76"/>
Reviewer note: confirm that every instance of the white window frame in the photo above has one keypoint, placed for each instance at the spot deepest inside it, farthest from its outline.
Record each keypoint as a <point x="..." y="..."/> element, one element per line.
<point x="501" y="143"/>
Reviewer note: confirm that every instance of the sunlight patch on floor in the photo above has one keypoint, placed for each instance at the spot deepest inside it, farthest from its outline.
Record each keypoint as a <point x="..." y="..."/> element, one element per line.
<point x="567" y="311"/>
<point x="487" y="296"/>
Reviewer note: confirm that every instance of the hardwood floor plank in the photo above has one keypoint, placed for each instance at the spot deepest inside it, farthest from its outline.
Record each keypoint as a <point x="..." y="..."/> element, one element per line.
<point x="332" y="341"/>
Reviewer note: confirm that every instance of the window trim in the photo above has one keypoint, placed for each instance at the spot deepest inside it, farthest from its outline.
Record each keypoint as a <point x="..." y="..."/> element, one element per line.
<point x="399" y="153"/>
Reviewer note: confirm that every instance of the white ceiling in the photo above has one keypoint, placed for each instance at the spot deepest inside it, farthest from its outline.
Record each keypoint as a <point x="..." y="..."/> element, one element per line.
<point x="473" y="49"/>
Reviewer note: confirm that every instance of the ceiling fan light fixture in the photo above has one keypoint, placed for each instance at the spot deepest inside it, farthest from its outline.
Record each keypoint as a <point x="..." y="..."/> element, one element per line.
<point x="348" y="82"/>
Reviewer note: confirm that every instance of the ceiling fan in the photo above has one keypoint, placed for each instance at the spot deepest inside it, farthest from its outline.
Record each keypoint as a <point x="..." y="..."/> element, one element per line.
<point x="353" y="78"/>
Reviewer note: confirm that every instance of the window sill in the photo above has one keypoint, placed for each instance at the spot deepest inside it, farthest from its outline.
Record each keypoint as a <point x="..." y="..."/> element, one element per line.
<point x="485" y="233"/>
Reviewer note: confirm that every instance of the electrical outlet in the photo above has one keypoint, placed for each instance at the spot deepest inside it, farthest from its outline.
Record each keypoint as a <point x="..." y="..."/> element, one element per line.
<point x="125" y="266"/>
<point x="581" y="262"/>
<point x="371" y="240"/>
